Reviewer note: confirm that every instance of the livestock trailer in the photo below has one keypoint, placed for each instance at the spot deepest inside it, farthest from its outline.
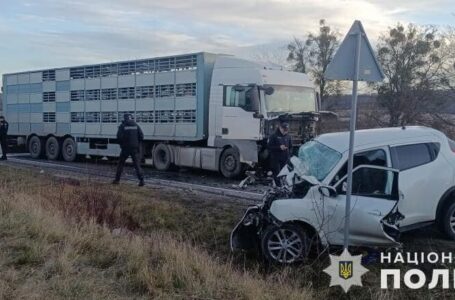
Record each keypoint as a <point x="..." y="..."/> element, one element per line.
<point x="200" y="110"/>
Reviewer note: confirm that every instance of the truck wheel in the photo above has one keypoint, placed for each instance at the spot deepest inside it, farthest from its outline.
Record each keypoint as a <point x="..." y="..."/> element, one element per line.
<point x="448" y="221"/>
<point x="69" y="149"/>
<point x="52" y="148"/>
<point x="230" y="165"/>
<point x="162" y="157"/>
<point x="35" y="147"/>
<point x="284" y="244"/>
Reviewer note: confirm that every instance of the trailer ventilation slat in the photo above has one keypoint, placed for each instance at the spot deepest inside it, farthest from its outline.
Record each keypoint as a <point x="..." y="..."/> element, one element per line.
<point x="48" y="75"/>
<point x="77" y="117"/>
<point x="49" y="117"/>
<point x="49" y="97"/>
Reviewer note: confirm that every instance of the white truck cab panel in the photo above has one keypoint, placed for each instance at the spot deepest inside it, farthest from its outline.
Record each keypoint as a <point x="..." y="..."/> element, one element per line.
<point x="230" y="118"/>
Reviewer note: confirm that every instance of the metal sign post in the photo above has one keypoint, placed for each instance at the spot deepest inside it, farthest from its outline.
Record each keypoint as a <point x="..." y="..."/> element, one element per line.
<point x="354" y="60"/>
<point x="352" y="124"/>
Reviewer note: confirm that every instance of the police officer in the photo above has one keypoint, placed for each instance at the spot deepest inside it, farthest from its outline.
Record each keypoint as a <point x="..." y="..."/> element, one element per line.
<point x="3" y="136"/>
<point x="129" y="136"/>
<point x="280" y="146"/>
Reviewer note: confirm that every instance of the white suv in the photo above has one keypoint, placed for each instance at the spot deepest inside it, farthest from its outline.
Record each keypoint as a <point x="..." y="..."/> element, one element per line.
<point x="403" y="179"/>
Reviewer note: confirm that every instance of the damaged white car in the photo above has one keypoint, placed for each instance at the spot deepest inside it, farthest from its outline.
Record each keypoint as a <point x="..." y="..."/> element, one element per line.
<point x="403" y="179"/>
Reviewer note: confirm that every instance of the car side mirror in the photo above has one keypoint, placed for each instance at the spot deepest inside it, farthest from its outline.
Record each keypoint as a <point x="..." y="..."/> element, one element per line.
<point x="328" y="191"/>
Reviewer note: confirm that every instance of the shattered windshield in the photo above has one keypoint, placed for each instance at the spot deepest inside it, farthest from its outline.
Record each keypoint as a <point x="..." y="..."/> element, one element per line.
<point x="290" y="99"/>
<point x="318" y="159"/>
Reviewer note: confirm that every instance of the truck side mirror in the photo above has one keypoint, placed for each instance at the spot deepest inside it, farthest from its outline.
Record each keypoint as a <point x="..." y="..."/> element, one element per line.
<point x="328" y="191"/>
<point x="269" y="90"/>
<point x="257" y="115"/>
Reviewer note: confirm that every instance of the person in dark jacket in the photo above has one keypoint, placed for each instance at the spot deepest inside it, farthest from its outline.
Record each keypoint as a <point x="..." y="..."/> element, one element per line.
<point x="3" y="136"/>
<point x="280" y="146"/>
<point x="129" y="136"/>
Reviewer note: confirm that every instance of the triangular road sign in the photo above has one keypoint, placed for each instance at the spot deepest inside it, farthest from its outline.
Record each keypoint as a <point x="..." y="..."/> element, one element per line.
<point x="342" y="66"/>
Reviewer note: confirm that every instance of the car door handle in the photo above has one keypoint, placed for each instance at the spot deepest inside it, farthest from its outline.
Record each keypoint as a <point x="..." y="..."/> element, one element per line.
<point x="375" y="213"/>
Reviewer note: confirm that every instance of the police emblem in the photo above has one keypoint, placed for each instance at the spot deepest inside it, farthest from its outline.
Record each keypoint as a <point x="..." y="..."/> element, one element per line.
<point x="345" y="270"/>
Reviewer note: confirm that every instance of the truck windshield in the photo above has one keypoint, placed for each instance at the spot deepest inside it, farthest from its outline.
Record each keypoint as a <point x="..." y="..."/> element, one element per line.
<point x="290" y="99"/>
<point x="318" y="159"/>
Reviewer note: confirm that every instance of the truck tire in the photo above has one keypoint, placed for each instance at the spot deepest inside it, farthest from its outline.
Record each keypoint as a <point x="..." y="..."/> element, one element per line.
<point x="162" y="157"/>
<point x="52" y="148"/>
<point x="230" y="165"/>
<point x="35" y="147"/>
<point x="69" y="149"/>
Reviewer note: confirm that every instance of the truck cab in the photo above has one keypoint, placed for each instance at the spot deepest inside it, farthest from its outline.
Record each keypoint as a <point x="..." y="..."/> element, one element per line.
<point x="247" y="99"/>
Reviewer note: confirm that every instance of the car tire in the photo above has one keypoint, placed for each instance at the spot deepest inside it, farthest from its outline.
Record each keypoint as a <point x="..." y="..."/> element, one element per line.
<point x="448" y="221"/>
<point x="284" y="245"/>
<point x="35" y="147"/>
<point x="69" y="150"/>
<point x="162" y="157"/>
<point x="230" y="165"/>
<point x="52" y="148"/>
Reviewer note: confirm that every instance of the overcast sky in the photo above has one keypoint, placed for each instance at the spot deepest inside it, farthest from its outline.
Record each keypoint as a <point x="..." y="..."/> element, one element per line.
<point x="37" y="34"/>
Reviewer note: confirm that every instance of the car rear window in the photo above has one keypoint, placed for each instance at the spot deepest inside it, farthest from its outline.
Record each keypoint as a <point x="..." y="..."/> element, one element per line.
<point x="410" y="156"/>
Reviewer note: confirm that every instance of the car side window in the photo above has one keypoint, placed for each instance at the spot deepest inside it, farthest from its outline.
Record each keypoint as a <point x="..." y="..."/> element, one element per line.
<point x="372" y="182"/>
<point x="244" y="97"/>
<point x="410" y="156"/>
<point x="375" y="157"/>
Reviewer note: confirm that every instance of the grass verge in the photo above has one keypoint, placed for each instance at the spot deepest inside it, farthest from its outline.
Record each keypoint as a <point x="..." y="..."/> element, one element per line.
<point x="79" y="240"/>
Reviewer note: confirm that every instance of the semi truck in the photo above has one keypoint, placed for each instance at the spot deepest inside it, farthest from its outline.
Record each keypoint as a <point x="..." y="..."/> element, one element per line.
<point x="198" y="110"/>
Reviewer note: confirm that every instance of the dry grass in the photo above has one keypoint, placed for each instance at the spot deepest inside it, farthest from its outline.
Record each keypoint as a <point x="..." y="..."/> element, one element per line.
<point x="56" y="241"/>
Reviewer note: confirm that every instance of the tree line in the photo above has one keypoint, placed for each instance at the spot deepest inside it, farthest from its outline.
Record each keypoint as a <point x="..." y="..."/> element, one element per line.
<point x="418" y="63"/>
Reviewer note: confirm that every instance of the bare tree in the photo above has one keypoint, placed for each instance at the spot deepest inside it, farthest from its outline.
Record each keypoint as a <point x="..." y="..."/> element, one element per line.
<point x="314" y="55"/>
<point x="448" y="76"/>
<point x="298" y="55"/>
<point x="412" y="59"/>
<point x="322" y="48"/>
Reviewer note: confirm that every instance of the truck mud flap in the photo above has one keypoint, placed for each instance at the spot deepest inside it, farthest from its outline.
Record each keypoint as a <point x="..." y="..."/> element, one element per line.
<point x="245" y="234"/>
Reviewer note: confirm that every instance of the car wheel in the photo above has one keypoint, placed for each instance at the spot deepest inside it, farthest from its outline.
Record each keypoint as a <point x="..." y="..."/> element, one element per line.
<point x="52" y="148"/>
<point x="448" y="221"/>
<point x="35" y="147"/>
<point x="285" y="244"/>
<point x="230" y="165"/>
